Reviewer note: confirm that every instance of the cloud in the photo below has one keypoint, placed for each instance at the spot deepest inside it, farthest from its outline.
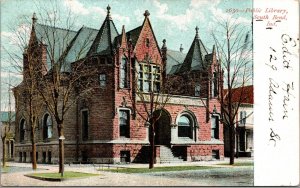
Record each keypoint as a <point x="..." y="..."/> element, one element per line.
<point x="76" y="7"/>
<point x="95" y="12"/>
<point x="191" y="14"/>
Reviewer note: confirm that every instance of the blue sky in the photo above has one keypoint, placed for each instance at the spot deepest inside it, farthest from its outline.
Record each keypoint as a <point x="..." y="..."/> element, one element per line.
<point x="173" y="20"/>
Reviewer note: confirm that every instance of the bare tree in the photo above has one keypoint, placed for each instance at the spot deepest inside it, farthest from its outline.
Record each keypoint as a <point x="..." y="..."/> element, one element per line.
<point x="234" y="51"/>
<point x="6" y="129"/>
<point x="148" y="101"/>
<point x="55" y="81"/>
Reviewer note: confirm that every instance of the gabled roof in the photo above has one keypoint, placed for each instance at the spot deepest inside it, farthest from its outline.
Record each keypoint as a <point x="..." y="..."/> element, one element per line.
<point x="242" y="94"/>
<point x="132" y="35"/>
<point x="174" y="61"/>
<point x="80" y="45"/>
<point x="195" y="58"/>
<point x="103" y="42"/>
<point x="56" y="39"/>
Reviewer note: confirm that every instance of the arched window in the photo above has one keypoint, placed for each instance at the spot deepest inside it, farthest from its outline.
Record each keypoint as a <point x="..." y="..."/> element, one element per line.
<point x="22" y="130"/>
<point x="185" y="126"/>
<point x="47" y="127"/>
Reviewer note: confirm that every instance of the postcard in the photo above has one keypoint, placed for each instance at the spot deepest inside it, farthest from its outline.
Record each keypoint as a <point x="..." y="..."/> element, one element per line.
<point x="150" y="93"/>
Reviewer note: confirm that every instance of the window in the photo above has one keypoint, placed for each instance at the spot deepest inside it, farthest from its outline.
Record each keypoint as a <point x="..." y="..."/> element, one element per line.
<point x="197" y="90"/>
<point x="47" y="127"/>
<point x="149" y="78"/>
<point x="215" y="154"/>
<point x="22" y="130"/>
<point x="147" y="42"/>
<point x="215" y="90"/>
<point x="185" y="126"/>
<point x="243" y="115"/>
<point x="102" y="80"/>
<point x="124" y="123"/>
<point x="85" y="124"/>
<point x="123" y="73"/>
<point x="215" y="127"/>
<point x="125" y="156"/>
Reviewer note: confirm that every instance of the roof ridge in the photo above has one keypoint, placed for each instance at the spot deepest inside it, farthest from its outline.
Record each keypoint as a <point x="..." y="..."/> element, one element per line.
<point x="57" y="27"/>
<point x="89" y="28"/>
<point x="134" y="29"/>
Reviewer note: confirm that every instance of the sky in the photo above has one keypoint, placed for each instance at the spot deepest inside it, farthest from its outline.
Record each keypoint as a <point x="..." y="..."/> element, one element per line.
<point x="173" y="20"/>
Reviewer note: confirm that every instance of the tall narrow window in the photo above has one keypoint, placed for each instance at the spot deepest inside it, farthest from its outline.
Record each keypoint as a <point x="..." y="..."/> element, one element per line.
<point x="22" y="130"/>
<point x="124" y="123"/>
<point x="215" y="90"/>
<point x="102" y="80"/>
<point x="123" y="73"/>
<point x="215" y="127"/>
<point x="47" y="127"/>
<point x="185" y="127"/>
<point x="85" y="124"/>
<point x="147" y="42"/>
<point x="197" y="90"/>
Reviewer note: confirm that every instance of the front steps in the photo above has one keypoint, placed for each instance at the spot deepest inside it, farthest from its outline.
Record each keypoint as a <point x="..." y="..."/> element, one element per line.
<point x="167" y="156"/>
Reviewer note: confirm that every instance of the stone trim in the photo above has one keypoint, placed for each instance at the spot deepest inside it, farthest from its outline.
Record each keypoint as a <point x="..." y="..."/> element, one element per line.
<point x="191" y="142"/>
<point x="175" y="99"/>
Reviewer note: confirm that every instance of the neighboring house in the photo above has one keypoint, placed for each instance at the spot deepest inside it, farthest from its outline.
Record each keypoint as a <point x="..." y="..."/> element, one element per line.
<point x="105" y="127"/>
<point x="8" y="128"/>
<point x="244" y="146"/>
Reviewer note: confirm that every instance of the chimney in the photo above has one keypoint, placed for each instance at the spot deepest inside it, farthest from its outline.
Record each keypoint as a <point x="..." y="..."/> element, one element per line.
<point x="181" y="48"/>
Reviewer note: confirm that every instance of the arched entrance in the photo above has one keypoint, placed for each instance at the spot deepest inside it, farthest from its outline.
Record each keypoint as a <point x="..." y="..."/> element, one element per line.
<point x="162" y="128"/>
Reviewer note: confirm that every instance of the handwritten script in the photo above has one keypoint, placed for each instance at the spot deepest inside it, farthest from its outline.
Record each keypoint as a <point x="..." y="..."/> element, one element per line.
<point x="279" y="61"/>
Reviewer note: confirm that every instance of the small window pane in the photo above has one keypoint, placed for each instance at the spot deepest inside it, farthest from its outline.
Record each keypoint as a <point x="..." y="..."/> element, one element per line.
<point x="102" y="78"/>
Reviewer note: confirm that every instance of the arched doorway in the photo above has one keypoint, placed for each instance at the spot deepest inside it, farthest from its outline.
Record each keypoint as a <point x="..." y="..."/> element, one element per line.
<point x="162" y="127"/>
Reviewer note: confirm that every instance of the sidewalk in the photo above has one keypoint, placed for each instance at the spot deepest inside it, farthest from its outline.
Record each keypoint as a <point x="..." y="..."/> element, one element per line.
<point x="226" y="176"/>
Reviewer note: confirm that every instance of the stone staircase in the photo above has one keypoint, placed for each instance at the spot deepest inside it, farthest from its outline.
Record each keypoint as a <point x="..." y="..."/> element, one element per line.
<point x="167" y="156"/>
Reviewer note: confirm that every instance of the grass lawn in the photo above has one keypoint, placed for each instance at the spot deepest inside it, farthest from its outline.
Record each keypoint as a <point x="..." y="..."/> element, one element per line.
<point x="158" y="169"/>
<point x="67" y="175"/>
<point x="4" y="169"/>
<point x="238" y="164"/>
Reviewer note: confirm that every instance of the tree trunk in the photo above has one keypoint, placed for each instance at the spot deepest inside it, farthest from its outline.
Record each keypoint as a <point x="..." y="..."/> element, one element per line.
<point x="33" y="148"/>
<point x="4" y="152"/>
<point x="152" y="147"/>
<point x="232" y="143"/>
<point x="61" y="149"/>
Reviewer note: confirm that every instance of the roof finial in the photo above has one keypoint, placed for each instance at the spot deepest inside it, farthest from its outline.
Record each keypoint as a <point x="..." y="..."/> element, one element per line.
<point x="146" y="14"/>
<point x="197" y="35"/>
<point x="181" y="48"/>
<point x="34" y="18"/>
<point x="108" y="12"/>
<point x="164" y="46"/>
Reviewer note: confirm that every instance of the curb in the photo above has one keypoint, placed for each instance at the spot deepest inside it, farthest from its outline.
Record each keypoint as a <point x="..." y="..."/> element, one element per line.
<point x="44" y="179"/>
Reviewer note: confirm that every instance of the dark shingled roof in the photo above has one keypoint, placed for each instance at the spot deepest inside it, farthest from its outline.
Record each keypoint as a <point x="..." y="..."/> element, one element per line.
<point x="174" y="61"/>
<point x="103" y="42"/>
<point x="132" y="34"/>
<point x="195" y="58"/>
<point x="51" y="36"/>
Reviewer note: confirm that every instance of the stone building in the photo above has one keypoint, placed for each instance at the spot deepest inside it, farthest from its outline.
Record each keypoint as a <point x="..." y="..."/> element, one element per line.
<point x="106" y="126"/>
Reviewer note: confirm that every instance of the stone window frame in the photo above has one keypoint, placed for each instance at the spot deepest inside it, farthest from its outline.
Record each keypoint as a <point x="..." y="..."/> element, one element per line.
<point x="215" y="131"/>
<point x="194" y="127"/>
<point x="46" y="134"/>
<point x="84" y="137"/>
<point x="154" y="78"/>
<point x="128" y="121"/>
